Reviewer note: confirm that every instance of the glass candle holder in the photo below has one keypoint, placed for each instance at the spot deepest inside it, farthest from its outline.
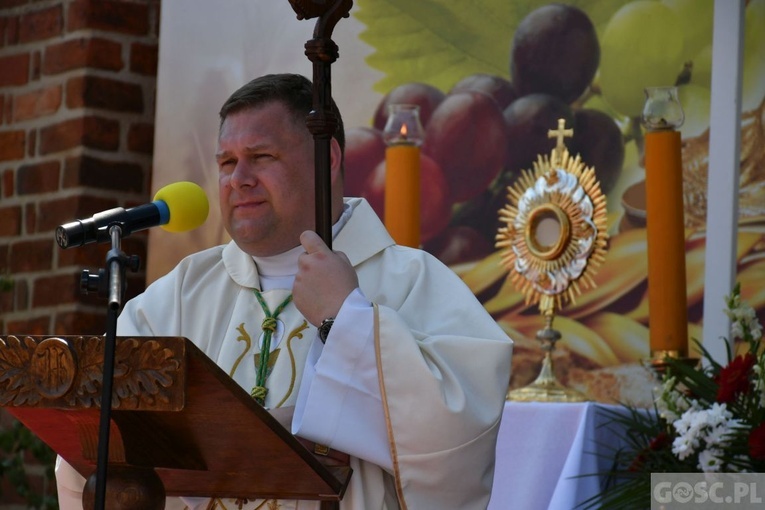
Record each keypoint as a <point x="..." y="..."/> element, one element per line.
<point x="403" y="125"/>
<point x="662" y="109"/>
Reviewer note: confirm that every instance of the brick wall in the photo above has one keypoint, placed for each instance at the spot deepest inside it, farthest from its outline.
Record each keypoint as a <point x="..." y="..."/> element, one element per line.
<point x="77" y="84"/>
<point x="77" y="89"/>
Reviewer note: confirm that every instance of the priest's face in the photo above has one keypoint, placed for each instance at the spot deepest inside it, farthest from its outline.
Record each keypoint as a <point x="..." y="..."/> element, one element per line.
<point x="266" y="178"/>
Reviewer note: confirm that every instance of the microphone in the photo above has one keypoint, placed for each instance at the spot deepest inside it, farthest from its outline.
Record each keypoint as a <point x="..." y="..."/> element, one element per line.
<point x="177" y="207"/>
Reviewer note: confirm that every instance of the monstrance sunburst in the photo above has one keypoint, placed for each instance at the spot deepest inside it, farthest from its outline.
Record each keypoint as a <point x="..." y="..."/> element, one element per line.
<point x="554" y="237"/>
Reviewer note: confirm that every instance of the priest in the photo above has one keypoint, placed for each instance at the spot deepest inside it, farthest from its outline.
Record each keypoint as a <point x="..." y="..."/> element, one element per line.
<point x="374" y="351"/>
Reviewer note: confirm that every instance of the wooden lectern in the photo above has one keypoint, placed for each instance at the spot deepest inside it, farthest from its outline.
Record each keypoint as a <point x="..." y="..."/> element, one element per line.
<point x="177" y="418"/>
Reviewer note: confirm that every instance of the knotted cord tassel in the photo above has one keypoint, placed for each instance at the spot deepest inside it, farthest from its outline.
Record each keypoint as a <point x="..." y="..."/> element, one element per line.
<point x="259" y="391"/>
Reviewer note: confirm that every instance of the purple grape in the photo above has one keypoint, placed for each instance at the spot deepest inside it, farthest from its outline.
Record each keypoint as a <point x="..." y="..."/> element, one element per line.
<point x="598" y="140"/>
<point x="529" y="119"/>
<point x="555" y="51"/>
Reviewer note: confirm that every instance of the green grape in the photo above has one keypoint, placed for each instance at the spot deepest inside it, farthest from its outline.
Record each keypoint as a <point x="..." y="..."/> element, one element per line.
<point x="641" y="47"/>
<point x="696" y="18"/>
<point x="702" y="68"/>
<point x="753" y="86"/>
<point x="695" y="100"/>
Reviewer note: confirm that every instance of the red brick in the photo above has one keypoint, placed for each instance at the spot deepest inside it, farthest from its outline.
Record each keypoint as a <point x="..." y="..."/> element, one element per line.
<point x="62" y="289"/>
<point x="42" y="24"/>
<point x="97" y="53"/>
<point x="113" y="16"/>
<point x="141" y="138"/>
<point x="5" y="250"/>
<point x="103" y="174"/>
<point x="12" y="145"/>
<point x="38" y="178"/>
<point x="143" y="59"/>
<point x="30" y="256"/>
<point x="21" y="293"/>
<point x="12" y="30"/>
<point x="79" y="323"/>
<point x="7" y="184"/>
<point x="36" y="65"/>
<point x="58" y="211"/>
<point x="37" y="103"/>
<point x="14" y="70"/>
<point x="31" y="142"/>
<point x="39" y="325"/>
<point x="30" y="217"/>
<point x="104" y="93"/>
<point x="7" y="304"/>
<point x="94" y="132"/>
<point x="7" y="4"/>
<point x="6" y="114"/>
<point x="10" y="221"/>
<point x="89" y="255"/>
<point x="3" y="29"/>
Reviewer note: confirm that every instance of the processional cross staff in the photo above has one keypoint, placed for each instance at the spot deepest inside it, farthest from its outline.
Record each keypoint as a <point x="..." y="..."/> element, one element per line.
<point x="322" y="121"/>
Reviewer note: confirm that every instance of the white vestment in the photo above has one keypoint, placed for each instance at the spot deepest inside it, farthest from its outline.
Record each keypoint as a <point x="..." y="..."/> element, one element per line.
<point x="412" y="387"/>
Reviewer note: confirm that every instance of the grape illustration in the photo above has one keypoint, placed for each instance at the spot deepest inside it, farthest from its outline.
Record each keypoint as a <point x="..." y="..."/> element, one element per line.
<point x="466" y="136"/>
<point x="364" y="149"/>
<point x="599" y="141"/>
<point x="555" y="51"/>
<point x="459" y="244"/>
<point x="529" y="119"/>
<point x="497" y="87"/>
<point x="427" y="97"/>
<point x="642" y="47"/>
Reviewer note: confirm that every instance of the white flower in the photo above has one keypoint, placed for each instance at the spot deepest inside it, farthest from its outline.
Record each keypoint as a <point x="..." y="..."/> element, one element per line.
<point x="671" y="403"/>
<point x="710" y="460"/>
<point x="684" y="446"/>
<point x="737" y="330"/>
<point x="755" y="329"/>
<point x="744" y="319"/>
<point x="712" y="427"/>
<point x="759" y="383"/>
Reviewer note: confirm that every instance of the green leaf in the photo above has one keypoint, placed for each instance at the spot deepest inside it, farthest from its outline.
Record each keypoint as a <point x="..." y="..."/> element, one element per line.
<point x="439" y="42"/>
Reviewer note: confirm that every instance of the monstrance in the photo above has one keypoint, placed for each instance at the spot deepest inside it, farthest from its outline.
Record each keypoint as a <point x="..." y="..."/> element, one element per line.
<point x="553" y="238"/>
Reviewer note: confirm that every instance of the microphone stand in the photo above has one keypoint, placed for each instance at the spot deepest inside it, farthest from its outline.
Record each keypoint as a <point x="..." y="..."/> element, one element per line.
<point x="114" y="286"/>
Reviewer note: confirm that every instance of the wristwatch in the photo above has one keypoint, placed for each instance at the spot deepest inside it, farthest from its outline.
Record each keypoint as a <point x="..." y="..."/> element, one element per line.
<point x="324" y="328"/>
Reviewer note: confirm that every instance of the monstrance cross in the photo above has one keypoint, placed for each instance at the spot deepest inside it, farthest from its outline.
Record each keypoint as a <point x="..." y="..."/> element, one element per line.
<point x="559" y="134"/>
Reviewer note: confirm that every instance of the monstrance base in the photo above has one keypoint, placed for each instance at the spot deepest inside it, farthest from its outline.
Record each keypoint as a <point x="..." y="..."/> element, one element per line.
<point x="546" y="388"/>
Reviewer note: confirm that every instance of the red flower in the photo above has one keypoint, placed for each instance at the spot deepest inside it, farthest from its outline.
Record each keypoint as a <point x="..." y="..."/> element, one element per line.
<point x="661" y="441"/>
<point x="757" y="442"/>
<point x="734" y="378"/>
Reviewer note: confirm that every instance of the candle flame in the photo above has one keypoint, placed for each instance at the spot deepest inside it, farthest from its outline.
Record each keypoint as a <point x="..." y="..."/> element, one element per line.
<point x="403" y="131"/>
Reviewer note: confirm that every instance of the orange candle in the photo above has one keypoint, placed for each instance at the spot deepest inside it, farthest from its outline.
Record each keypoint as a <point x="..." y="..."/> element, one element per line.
<point x="667" y="297"/>
<point x="402" y="193"/>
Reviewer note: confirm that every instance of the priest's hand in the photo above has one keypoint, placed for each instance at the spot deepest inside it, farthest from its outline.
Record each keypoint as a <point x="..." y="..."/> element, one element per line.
<point x="323" y="281"/>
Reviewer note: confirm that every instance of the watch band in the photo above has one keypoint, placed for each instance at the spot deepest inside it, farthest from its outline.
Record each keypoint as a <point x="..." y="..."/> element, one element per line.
<point x="324" y="328"/>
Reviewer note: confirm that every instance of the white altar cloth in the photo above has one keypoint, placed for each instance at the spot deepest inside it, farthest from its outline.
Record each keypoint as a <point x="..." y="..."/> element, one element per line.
<point x="542" y="450"/>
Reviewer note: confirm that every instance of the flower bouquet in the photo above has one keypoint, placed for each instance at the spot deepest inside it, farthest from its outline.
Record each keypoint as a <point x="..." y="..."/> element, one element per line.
<point x="706" y="418"/>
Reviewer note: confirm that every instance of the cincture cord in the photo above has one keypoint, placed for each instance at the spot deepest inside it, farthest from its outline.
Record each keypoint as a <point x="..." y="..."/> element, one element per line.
<point x="259" y="391"/>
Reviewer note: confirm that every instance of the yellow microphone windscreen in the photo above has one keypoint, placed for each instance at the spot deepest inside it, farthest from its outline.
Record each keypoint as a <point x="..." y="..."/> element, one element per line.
<point x="187" y="203"/>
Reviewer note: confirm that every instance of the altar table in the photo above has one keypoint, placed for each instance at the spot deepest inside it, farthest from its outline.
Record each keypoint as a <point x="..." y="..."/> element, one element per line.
<point x="542" y="450"/>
